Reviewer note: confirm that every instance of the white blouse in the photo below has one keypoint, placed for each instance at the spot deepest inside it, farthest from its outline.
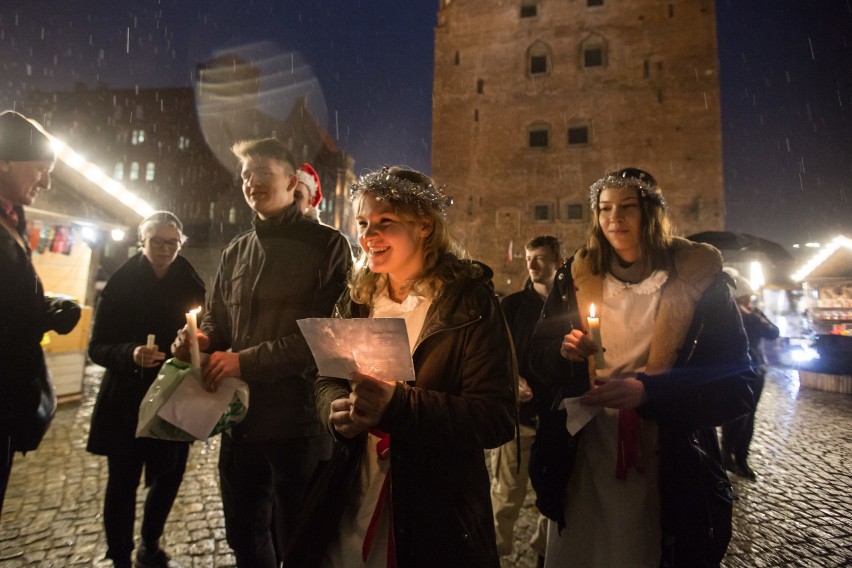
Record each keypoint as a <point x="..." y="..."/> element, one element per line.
<point x="611" y="522"/>
<point x="345" y="552"/>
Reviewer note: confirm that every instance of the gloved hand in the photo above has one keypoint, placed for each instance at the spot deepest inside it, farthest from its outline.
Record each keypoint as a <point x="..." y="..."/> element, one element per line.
<point x="62" y="315"/>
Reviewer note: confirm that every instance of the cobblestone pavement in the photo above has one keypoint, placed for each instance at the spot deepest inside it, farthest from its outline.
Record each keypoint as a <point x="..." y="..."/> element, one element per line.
<point x="798" y="512"/>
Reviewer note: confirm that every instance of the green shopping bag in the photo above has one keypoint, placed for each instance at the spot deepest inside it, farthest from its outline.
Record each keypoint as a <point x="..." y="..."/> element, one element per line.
<point x="177" y="406"/>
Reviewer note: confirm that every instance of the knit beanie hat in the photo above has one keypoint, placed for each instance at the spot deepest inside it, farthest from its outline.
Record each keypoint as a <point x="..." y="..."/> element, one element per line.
<point x="22" y="141"/>
<point x="309" y="177"/>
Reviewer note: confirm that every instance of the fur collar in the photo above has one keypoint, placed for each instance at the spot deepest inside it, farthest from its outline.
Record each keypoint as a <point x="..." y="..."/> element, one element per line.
<point x="694" y="267"/>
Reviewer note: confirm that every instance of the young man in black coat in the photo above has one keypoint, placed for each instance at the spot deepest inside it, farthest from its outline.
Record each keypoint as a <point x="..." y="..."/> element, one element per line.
<point x="286" y="268"/>
<point x="510" y="462"/>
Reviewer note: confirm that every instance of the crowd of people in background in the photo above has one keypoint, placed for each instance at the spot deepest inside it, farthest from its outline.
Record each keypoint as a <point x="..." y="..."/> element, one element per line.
<point x="635" y="341"/>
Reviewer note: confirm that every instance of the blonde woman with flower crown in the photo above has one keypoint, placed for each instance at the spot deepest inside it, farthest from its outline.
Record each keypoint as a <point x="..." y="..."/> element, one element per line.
<point x="408" y="485"/>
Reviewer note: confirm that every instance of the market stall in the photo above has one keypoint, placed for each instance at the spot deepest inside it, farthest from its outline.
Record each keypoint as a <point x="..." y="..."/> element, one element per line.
<point x="827" y="290"/>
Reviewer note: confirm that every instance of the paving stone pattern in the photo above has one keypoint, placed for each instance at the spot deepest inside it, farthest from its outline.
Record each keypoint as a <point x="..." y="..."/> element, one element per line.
<point x="797" y="513"/>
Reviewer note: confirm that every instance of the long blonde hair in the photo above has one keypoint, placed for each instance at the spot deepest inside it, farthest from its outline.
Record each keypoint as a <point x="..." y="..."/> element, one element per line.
<point x="416" y="199"/>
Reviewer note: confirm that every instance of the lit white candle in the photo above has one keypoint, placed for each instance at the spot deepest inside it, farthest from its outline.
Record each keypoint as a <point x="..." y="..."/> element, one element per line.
<point x="192" y="324"/>
<point x="595" y="336"/>
<point x="151" y="339"/>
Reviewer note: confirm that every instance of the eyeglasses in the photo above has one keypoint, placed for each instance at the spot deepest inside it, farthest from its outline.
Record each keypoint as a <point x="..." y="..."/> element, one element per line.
<point x="157" y="242"/>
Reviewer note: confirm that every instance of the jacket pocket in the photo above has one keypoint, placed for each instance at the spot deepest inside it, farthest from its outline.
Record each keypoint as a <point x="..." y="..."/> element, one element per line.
<point x="238" y="286"/>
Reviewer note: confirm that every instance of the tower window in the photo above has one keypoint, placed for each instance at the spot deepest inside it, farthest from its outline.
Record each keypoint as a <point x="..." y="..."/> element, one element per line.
<point x="529" y="11"/>
<point x="538" y="137"/>
<point x="134" y="171"/>
<point x="542" y="212"/>
<point x="480" y="86"/>
<point x="594" y="3"/>
<point x="578" y="135"/>
<point x="593" y="57"/>
<point x="118" y="172"/>
<point x="538" y="64"/>
<point x="149" y="171"/>
<point x="538" y="59"/>
<point x="574" y="211"/>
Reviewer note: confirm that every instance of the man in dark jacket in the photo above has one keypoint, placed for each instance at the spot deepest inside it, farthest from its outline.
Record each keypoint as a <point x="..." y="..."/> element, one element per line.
<point x="285" y="269"/>
<point x="28" y="401"/>
<point x="510" y="468"/>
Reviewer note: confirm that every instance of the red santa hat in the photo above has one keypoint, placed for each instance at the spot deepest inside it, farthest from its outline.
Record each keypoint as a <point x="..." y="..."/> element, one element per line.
<point x="309" y="177"/>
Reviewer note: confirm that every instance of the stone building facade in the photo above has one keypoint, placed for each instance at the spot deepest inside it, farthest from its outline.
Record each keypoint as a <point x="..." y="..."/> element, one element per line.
<point x="171" y="147"/>
<point x="536" y="99"/>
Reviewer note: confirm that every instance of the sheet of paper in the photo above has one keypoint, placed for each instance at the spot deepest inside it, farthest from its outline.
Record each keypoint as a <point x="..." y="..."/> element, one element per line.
<point x="578" y="414"/>
<point x="375" y="346"/>
<point x="194" y="409"/>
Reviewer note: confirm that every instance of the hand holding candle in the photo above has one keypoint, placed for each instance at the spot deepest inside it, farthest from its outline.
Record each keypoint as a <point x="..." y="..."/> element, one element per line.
<point x="192" y="325"/>
<point x="147" y="355"/>
<point x="594" y="325"/>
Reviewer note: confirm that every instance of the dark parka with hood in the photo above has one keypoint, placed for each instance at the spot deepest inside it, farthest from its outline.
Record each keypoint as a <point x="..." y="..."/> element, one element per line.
<point x="463" y="401"/>
<point x="697" y="377"/>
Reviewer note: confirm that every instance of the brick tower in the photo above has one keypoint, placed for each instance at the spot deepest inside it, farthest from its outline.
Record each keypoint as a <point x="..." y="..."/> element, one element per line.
<point x="536" y="99"/>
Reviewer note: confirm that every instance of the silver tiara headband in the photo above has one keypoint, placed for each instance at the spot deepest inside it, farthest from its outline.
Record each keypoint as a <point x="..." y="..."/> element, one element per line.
<point x="642" y="181"/>
<point x="387" y="186"/>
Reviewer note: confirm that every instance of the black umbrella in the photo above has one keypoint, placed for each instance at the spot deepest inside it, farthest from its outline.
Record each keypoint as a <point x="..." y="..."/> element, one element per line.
<point x="743" y="247"/>
<point x="726" y="241"/>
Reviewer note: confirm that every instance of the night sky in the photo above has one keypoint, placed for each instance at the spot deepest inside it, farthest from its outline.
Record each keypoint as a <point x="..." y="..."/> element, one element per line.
<point x="786" y="72"/>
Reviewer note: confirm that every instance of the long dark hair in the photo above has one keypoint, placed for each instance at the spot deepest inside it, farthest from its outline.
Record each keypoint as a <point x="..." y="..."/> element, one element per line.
<point x="656" y="230"/>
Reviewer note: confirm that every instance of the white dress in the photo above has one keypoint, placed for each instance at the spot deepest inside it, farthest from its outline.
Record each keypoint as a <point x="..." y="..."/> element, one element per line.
<point x="612" y="522"/>
<point x="346" y="551"/>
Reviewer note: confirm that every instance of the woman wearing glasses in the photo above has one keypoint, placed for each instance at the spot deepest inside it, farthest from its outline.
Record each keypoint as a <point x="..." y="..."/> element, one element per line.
<point x="148" y="295"/>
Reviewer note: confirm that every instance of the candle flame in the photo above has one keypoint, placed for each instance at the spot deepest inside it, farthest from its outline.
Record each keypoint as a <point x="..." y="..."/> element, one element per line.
<point x="196" y="310"/>
<point x="592" y="311"/>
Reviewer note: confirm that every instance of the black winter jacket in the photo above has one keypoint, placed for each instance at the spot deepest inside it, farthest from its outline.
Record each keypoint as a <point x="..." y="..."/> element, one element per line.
<point x="523" y="310"/>
<point x="285" y="269"/>
<point x="699" y="376"/>
<point x="134" y="303"/>
<point x="25" y="315"/>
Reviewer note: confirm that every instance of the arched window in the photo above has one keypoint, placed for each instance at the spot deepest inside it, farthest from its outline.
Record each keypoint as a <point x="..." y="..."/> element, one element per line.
<point x="593" y="52"/>
<point x="538" y="59"/>
<point x="149" y="171"/>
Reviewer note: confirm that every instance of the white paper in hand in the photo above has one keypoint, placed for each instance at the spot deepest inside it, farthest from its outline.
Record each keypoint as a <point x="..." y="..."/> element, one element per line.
<point x="578" y="414"/>
<point x="196" y="410"/>
<point x="375" y="346"/>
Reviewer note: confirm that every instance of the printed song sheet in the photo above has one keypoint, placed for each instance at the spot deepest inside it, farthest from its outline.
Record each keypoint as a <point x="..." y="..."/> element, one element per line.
<point x="375" y="346"/>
